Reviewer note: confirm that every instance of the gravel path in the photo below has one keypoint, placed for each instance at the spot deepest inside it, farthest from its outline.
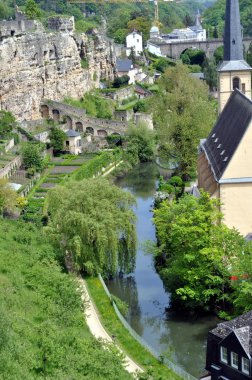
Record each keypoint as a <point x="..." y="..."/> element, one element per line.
<point x="97" y="328"/>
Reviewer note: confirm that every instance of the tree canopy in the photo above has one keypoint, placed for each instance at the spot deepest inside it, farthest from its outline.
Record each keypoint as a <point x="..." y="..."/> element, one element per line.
<point x="7" y="122"/>
<point x="8" y="196"/>
<point x="183" y="114"/>
<point x="57" y="138"/>
<point x="32" y="155"/>
<point x="93" y="221"/>
<point x="198" y="254"/>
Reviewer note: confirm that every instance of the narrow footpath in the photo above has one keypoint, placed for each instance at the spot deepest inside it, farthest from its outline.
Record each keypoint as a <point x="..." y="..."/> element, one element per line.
<point x="97" y="328"/>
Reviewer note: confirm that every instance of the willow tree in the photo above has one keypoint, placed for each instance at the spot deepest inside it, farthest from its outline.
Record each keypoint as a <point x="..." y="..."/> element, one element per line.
<point x="94" y="224"/>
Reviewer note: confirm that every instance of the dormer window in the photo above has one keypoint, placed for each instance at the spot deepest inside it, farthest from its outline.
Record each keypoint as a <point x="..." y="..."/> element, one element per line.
<point x="234" y="360"/>
<point x="225" y="159"/>
<point x="222" y="152"/>
<point x="245" y="366"/>
<point x="223" y="354"/>
<point x="216" y="140"/>
<point x="218" y="147"/>
<point x="213" y="135"/>
<point x="236" y="83"/>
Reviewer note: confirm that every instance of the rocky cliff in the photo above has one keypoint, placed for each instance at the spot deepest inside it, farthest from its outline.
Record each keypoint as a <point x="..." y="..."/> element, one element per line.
<point x="39" y="64"/>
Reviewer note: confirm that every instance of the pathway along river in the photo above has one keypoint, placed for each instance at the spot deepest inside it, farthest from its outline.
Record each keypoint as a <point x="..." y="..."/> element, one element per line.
<point x="181" y="339"/>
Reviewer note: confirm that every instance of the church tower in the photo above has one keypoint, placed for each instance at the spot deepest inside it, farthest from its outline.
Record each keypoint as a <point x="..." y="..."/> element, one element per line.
<point x="234" y="71"/>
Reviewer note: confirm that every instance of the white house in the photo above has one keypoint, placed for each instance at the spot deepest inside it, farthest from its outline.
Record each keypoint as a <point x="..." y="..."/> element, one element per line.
<point x="134" y="40"/>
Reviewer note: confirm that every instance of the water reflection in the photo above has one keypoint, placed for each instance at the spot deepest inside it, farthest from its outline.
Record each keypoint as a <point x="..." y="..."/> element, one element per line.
<point x="181" y="339"/>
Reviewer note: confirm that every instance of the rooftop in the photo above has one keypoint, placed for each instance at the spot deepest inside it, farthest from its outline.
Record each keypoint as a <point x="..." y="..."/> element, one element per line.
<point x="227" y="133"/>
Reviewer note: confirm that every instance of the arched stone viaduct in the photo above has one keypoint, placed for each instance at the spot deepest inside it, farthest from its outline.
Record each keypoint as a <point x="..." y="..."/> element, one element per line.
<point x="174" y="49"/>
<point x="76" y="118"/>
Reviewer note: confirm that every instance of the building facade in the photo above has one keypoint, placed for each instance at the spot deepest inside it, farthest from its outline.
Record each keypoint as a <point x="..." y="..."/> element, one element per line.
<point x="134" y="41"/>
<point x="225" y="157"/>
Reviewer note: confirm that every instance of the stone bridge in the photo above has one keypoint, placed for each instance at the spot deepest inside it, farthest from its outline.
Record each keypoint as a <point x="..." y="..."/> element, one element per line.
<point x="174" y="49"/>
<point x="76" y="118"/>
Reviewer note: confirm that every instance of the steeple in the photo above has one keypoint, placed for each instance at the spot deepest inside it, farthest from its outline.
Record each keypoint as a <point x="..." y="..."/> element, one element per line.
<point x="198" y="20"/>
<point x="233" y="49"/>
<point x="234" y="71"/>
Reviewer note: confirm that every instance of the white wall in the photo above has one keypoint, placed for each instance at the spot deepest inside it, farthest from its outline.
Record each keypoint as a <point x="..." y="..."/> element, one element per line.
<point x="134" y="40"/>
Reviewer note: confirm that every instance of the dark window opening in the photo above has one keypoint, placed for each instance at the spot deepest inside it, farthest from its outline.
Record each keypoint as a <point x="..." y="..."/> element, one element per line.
<point x="12" y="33"/>
<point x="243" y="88"/>
<point x="233" y="41"/>
<point x="236" y="83"/>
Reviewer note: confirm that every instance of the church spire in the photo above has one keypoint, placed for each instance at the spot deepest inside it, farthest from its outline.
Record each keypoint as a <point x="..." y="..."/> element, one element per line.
<point x="233" y="48"/>
<point x="234" y="71"/>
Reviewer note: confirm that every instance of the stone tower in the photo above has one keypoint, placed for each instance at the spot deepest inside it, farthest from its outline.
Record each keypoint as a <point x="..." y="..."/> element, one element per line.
<point x="234" y="72"/>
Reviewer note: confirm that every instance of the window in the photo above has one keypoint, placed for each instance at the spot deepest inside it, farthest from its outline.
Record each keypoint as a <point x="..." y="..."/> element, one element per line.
<point x="234" y="360"/>
<point x="224" y="357"/>
<point x="243" y="88"/>
<point x="245" y="366"/>
<point x="236" y="83"/>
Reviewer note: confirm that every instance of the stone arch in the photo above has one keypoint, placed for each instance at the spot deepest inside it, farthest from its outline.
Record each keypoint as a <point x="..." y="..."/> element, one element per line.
<point x="193" y="55"/>
<point x="69" y="121"/>
<point x="44" y="110"/>
<point x="79" y="126"/>
<point x="56" y="115"/>
<point x="90" y="130"/>
<point x="102" y="133"/>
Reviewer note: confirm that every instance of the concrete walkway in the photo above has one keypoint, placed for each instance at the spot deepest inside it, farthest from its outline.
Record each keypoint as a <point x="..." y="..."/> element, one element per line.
<point x="97" y="328"/>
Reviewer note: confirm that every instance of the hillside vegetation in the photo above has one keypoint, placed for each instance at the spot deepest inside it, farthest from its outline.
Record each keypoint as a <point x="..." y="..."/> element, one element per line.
<point x="42" y="329"/>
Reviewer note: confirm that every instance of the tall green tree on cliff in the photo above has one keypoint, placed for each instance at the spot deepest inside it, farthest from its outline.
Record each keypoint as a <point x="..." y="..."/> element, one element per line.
<point x="93" y="221"/>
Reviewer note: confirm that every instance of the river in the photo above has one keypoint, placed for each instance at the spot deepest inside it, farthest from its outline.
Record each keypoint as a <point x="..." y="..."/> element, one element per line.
<point x="181" y="339"/>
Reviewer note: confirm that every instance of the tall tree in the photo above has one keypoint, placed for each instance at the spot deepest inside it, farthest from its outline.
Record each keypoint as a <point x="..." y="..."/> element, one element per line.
<point x="7" y="122"/>
<point x="57" y="138"/>
<point x="93" y="221"/>
<point x="183" y="115"/>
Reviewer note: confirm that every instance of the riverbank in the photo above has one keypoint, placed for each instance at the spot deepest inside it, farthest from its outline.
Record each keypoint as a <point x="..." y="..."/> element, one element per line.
<point x="123" y="338"/>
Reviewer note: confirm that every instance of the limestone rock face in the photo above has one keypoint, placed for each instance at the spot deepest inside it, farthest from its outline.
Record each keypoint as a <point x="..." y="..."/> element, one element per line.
<point x="39" y="64"/>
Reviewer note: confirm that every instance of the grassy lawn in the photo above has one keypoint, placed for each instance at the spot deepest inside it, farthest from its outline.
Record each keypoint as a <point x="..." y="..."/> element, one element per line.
<point x="123" y="338"/>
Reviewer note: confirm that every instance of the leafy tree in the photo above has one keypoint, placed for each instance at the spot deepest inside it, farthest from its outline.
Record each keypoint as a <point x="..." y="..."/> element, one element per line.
<point x="93" y="221"/>
<point x="32" y="156"/>
<point x="7" y="196"/>
<point x="179" y="108"/>
<point x="140" y="144"/>
<point x="121" y="81"/>
<point x="210" y="72"/>
<point x="141" y="24"/>
<point x="32" y="10"/>
<point x="57" y="138"/>
<point x="219" y="54"/>
<point x="120" y="35"/>
<point x="196" y="252"/>
<point x="7" y="122"/>
<point x="140" y="106"/>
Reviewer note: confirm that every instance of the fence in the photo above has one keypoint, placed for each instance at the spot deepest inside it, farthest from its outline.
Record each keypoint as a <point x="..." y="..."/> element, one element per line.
<point x="178" y="370"/>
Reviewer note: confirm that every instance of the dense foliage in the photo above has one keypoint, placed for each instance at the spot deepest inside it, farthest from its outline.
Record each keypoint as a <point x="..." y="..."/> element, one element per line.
<point x="214" y="17"/>
<point x="32" y="155"/>
<point x="93" y="221"/>
<point x="57" y="139"/>
<point x="198" y="255"/>
<point x="140" y="144"/>
<point x="183" y="114"/>
<point x="42" y="330"/>
<point x="7" y="122"/>
<point x="94" y="104"/>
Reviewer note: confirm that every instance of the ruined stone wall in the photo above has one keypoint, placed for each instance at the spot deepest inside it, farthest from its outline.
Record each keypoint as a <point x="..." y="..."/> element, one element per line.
<point x="37" y="65"/>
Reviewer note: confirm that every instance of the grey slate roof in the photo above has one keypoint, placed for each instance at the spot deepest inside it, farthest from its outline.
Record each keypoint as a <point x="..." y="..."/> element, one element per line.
<point x="72" y="133"/>
<point x="233" y="47"/>
<point x="241" y="327"/>
<point x="227" y="133"/>
<point x="240" y="65"/>
<point x="123" y="64"/>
